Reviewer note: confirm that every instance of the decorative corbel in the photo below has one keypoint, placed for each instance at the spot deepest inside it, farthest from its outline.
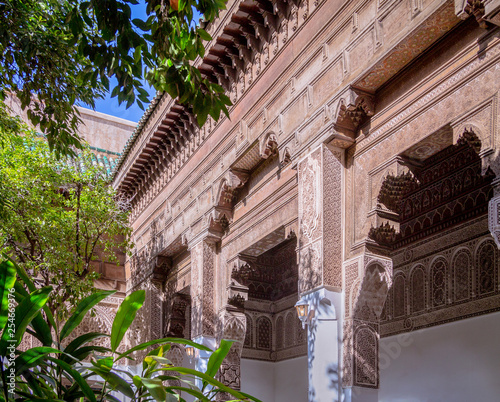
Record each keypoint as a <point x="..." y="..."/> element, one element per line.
<point x="160" y="266"/>
<point x="176" y="323"/>
<point x="238" y="285"/>
<point x="354" y="110"/>
<point x="219" y="220"/>
<point x="287" y="158"/>
<point x="269" y="146"/>
<point x="237" y="178"/>
<point x="476" y="8"/>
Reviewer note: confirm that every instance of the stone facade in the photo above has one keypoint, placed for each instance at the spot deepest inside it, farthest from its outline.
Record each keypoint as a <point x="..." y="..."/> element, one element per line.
<point x="355" y="173"/>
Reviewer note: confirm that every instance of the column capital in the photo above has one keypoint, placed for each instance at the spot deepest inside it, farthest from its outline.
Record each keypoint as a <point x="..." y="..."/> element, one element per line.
<point x="207" y="236"/>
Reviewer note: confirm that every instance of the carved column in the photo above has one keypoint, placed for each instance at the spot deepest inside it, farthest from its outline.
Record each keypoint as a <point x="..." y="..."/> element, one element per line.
<point x="320" y="219"/>
<point x="367" y="280"/>
<point x="203" y="317"/>
<point x="320" y="265"/>
<point x="234" y="327"/>
<point x="494" y="213"/>
<point x="148" y="325"/>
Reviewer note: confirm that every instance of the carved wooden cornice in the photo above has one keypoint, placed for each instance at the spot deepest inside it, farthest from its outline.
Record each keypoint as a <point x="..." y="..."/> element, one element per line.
<point x="238" y="38"/>
<point x="450" y="187"/>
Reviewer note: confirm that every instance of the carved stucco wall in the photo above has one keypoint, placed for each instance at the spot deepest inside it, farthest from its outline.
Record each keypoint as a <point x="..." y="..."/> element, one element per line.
<point x="320" y="219"/>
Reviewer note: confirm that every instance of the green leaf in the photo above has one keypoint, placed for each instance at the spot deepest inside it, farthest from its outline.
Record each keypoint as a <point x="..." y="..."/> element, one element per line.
<point x="182" y="5"/>
<point x="24" y="313"/>
<point x="155" y="388"/>
<point x="87" y="391"/>
<point x="7" y="281"/>
<point x="82" y="340"/>
<point x="142" y="25"/>
<point x="31" y="287"/>
<point x="30" y="358"/>
<point x="212" y="381"/>
<point x="217" y="357"/>
<point x="114" y="380"/>
<point x="191" y="391"/>
<point x="204" y="34"/>
<point x="41" y="329"/>
<point x="179" y="341"/>
<point x="125" y="315"/>
<point x="82" y="309"/>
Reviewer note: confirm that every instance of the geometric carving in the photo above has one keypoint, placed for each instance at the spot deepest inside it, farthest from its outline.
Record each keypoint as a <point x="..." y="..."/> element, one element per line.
<point x="417" y="298"/>
<point x="248" y="332"/>
<point x="203" y="288"/>
<point x="289" y="335"/>
<point x="366" y="357"/>
<point x="446" y="189"/>
<point x="438" y="282"/>
<point x="486" y="263"/>
<point x="280" y="332"/>
<point x="176" y="323"/>
<point x="264" y="333"/>
<point x="399" y="308"/>
<point x="234" y="328"/>
<point x="361" y="331"/>
<point x="462" y="265"/>
<point x="320" y="217"/>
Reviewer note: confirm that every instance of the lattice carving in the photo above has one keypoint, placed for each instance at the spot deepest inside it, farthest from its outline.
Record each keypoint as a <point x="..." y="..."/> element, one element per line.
<point x="264" y="333"/>
<point x="487" y="269"/>
<point x="399" y="295"/>
<point x="462" y="275"/>
<point x="366" y="357"/>
<point x="460" y="281"/>
<point x="438" y="282"/>
<point x="280" y="333"/>
<point x="447" y="189"/>
<point x="273" y="275"/>
<point x="417" y="298"/>
<point x="248" y="332"/>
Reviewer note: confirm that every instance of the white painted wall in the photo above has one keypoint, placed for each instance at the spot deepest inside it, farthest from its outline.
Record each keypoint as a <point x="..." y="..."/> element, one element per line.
<point x="257" y="379"/>
<point x="284" y="381"/>
<point x="455" y="362"/>
<point x="290" y="380"/>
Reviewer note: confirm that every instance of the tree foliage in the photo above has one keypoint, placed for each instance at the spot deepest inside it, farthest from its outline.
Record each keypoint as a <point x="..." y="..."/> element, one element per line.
<point x="56" y="216"/>
<point x="55" y="371"/>
<point x="56" y="53"/>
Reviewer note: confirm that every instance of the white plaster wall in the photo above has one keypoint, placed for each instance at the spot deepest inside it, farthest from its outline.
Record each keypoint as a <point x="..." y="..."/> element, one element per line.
<point x="284" y="381"/>
<point x="257" y="379"/>
<point x="290" y="380"/>
<point x="455" y="362"/>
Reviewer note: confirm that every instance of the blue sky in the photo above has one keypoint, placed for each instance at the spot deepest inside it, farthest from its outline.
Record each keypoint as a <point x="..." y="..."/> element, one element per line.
<point x="110" y="106"/>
